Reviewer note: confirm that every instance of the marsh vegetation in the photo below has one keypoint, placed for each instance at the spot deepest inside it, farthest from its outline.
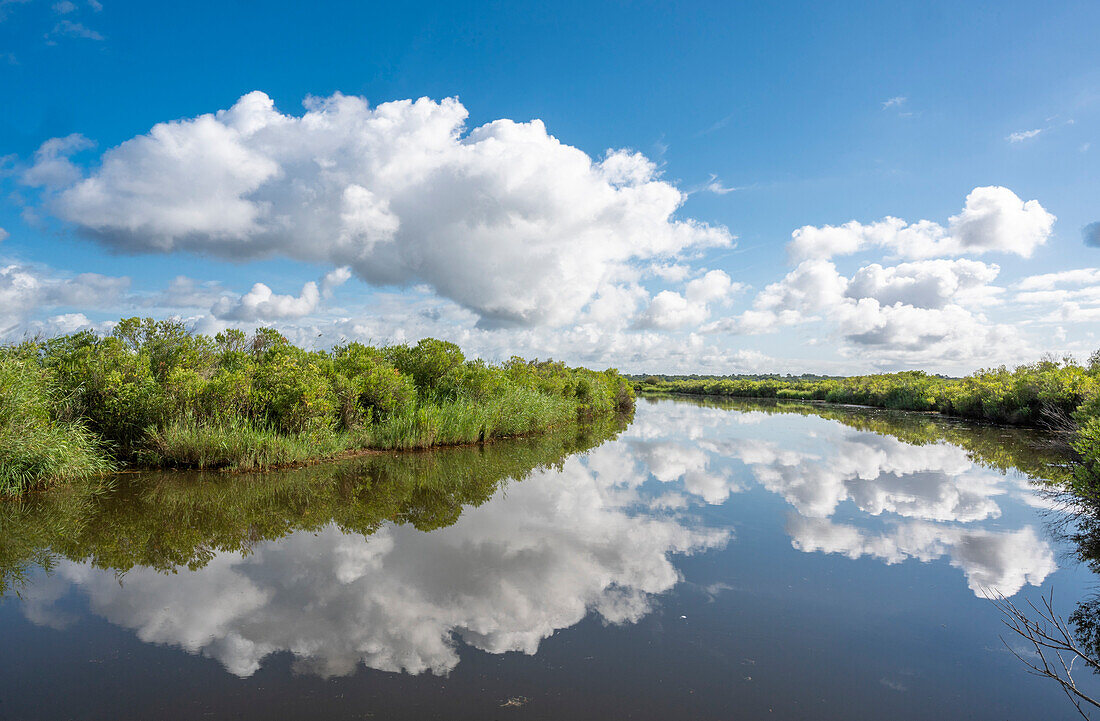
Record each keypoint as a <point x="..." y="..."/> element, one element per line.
<point x="153" y="394"/>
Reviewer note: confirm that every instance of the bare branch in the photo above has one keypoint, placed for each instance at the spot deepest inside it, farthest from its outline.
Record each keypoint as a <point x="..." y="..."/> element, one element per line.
<point x="1052" y="639"/>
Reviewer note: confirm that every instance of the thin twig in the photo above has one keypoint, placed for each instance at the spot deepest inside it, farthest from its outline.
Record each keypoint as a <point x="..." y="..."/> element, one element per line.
<point x="1049" y="635"/>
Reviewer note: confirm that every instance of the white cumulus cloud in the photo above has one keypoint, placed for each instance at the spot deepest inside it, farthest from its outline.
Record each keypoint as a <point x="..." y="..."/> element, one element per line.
<point x="994" y="219"/>
<point x="261" y="303"/>
<point x="917" y="313"/>
<point x="504" y="219"/>
<point x="26" y="290"/>
<point x="52" y="167"/>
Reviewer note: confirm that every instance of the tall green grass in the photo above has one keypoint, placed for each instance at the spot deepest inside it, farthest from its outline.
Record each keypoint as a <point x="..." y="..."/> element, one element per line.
<point x="516" y="412"/>
<point x="239" y="444"/>
<point x="35" y="447"/>
<point x="235" y="443"/>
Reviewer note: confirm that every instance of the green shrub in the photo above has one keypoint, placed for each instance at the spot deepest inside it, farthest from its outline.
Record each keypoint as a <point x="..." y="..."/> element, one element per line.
<point x="294" y="391"/>
<point x="426" y="363"/>
<point x="371" y="383"/>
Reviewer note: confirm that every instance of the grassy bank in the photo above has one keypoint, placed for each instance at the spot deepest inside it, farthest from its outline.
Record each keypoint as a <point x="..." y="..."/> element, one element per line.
<point x="153" y="394"/>
<point x="1061" y="395"/>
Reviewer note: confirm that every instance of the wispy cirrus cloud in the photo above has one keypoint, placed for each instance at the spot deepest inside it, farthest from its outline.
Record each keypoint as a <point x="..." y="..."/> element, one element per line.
<point x="73" y="29"/>
<point x="1022" y="135"/>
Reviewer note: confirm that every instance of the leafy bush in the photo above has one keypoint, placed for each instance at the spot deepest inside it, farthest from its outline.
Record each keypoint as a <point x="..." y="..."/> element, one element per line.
<point x="371" y="384"/>
<point x="426" y="363"/>
<point x="295" y="392"/>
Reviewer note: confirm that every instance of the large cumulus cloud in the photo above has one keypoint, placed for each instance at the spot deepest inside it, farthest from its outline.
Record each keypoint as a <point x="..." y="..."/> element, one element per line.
<point x="504" y="218"/>
<point x="927" y="311"/>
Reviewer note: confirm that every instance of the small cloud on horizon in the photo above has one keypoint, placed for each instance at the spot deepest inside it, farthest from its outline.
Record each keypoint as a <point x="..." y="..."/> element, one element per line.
<point x="894" y="102"/>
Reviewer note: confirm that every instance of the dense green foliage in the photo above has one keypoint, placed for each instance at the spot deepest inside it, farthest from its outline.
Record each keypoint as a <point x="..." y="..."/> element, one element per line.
<point x="154" y="394"/>
<point x="1063" y="395"/>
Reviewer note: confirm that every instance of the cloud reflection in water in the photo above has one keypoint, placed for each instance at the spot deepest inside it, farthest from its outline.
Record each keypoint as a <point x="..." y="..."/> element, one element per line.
<point x="595" y="536"/>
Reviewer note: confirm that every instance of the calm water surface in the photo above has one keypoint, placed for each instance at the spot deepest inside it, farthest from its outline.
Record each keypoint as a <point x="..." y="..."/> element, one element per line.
<point x="710" y="561"/>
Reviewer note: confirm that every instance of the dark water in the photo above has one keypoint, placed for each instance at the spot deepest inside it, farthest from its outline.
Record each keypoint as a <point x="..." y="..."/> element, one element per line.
<point x="742" y="561"/>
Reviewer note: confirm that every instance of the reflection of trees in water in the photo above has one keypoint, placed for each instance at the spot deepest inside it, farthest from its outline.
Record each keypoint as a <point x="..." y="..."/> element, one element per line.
<point x="170" y="520"/>
<point x="1054" y="647"/>
<point x="1040" y="455"/>
<point x="538" y="557"/>
<point x="1084" y="532"/>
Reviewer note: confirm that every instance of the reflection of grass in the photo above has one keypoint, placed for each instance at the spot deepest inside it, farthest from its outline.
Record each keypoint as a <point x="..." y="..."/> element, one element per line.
<point x="167" y="520"/>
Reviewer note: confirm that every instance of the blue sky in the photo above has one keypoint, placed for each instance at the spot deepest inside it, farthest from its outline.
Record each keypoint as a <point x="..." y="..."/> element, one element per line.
<point x="754" y="120"/>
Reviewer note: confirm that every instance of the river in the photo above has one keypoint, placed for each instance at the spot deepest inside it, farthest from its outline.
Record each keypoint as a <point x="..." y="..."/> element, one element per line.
<point x="701" y="560"/>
